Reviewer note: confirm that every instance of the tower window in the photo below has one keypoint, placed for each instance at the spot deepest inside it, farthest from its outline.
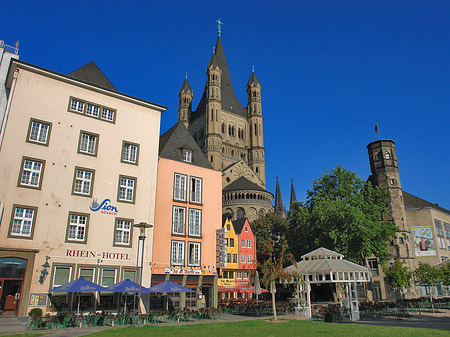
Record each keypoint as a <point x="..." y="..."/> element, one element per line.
<point x="387" y="155"/>
<point x="392" y="181"/>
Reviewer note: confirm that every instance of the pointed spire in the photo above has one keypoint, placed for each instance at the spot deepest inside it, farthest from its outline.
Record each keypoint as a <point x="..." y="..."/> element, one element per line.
<point x="253" y="80"/>
<point x="293" y="197"/>
<point x="279" y="209"/>
<point x="185" y="87"/>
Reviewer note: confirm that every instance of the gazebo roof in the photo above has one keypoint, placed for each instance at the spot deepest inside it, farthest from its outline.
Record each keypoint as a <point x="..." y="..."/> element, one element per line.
<point x="324" y="261"/>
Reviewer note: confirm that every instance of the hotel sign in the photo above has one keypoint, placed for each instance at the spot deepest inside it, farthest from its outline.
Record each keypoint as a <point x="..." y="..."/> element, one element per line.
<point x="104" y="207"/>
<point x="99" y="255"/>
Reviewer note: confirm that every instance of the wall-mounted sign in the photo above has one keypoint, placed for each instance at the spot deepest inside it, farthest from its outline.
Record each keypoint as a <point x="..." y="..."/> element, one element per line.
<point x="423" y="241"/>
<point x="182" y="271"/>
<point x="95" y="254"/>
<point x="38" y="300"/>
<point x="104" y="207"/>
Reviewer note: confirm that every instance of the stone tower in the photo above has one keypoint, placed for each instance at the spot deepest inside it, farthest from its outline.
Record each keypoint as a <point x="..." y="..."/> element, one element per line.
<point x="231" y="137"/>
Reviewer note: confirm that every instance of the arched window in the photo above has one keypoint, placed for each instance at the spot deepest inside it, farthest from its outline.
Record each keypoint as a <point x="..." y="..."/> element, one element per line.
<point x="261" y="214"/>
<point x="240" y="214"/>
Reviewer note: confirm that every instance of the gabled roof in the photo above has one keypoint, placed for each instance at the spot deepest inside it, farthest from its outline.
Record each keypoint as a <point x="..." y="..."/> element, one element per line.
<point x="229" y="101"/>
<point x="243" y="183"/>
<point x="411" y="201"/>
<point x="239" y="225"/>
<point x="177" y="138"/>
<point x="92" y="74"/>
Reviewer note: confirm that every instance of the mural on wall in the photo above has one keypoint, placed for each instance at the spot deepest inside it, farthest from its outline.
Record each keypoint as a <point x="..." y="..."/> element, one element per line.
<point x="423" y="241"/>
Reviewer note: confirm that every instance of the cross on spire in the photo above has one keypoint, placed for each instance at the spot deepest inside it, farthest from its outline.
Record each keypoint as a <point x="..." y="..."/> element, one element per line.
<point x="186" y="74"/>
<point x="219" y="24"/>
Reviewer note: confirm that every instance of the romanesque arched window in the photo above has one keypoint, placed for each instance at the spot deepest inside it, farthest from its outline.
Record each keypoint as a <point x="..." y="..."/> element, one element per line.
<point x="240" y="214"/>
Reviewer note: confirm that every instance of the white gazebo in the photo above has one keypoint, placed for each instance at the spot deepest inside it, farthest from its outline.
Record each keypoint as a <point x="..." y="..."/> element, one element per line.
<point x="325" y="266"/>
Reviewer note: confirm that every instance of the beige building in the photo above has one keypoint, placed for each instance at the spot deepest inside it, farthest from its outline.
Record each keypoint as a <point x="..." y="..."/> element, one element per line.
<point x="231" y="136"/>
<point x="424" y="227"/>
<point x="78" y="165"/>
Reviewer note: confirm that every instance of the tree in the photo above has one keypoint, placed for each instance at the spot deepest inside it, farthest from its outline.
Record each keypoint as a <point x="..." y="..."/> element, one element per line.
<point x="342" y="213"/>
<point x="397" y="276"/>
<point x="271" y="229"/>
<point x="445" y="274"/>
<point x="427" y="276"/>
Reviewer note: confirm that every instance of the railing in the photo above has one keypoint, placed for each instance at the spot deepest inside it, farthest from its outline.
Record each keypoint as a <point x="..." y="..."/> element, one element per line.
<point x="10" y="49"/>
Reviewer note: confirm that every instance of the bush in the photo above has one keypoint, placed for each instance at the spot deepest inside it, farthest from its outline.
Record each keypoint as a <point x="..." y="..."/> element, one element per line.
<point x="36" y="312"/>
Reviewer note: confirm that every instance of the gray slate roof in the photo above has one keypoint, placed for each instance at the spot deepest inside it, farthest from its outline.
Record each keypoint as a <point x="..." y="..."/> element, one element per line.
<point x="92" y="74"/>
<point x="239" y="225"/>
<point x="253" y="80"/>
<point x="229" y="101"/>
<point x="172" y="142"/>
<point x="185" y="87"/>
<point x="243" y="183"/>
<point x="411" y="201"/>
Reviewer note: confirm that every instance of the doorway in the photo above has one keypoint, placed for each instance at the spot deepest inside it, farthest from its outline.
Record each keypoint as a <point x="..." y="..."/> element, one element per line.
<point x="12" y="273"/>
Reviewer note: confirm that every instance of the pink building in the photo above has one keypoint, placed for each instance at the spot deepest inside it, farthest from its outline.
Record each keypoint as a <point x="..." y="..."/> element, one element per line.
<point x="247" y="251"/>
<point x="188" y="213"/>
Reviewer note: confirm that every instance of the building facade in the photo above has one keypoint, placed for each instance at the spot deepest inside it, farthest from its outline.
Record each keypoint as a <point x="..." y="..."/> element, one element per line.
<point x="231" y="136"/>
<point x="78" y="163"/>
<point x="424" y="227"/>
<point x="7" y="53"/>
<point x="188" y="213"/>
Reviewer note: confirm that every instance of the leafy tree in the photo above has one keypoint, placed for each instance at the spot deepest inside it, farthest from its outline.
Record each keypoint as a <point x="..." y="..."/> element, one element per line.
<point x="427" y="276"/>
<point x="342" y="213"/>
<point x="397" y="275"/>
<point x="271" y="229"/>
<point x="445" y="273"/>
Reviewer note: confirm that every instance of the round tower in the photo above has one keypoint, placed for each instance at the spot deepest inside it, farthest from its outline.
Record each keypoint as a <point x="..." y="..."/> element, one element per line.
<point x="255" y="123"/>
<point x="185" y="96"/>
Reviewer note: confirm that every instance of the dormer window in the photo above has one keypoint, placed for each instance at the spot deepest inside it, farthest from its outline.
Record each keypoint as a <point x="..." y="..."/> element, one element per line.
<point x="187" y="155"/>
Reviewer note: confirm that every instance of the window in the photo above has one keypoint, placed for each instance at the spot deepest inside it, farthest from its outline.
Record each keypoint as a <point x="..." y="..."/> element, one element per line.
<point x="87" y="273"/>
<point x="387" y="155"/>
<point x="22" y="223"/>
<point x="234" y="258"/>
<point x="122" y="232"/>
<point x="242" y="258"/>
<point x="249" y="258"/>
<point x="246" y="228"/>
<point x="187" y="155"/>
<point x="130" y="153"/>
<point x="242" y="243"/>
<point x="177" y="257"/>
<point x="240" y="214"/>
<point x="92" y="110"/>
<point x="231" y="242"/>
<point x="179" y="220"/>
<point x="447" y="234"/>
<point x="249" y="244"/>
<point x="31" y="173"/>
<point x="238" y="275"/>
<point x="228" y="258"/>
<point x="61" y="275"/>
<point x="245" y="274"/>
<point x="261" y="214"/>
<point x="38" y="132"/>
<point x="83" y="181"/>
<point x="77" y="228"/>
<point x="127" y="189"/>
<point x="88" y="143"/>
<point x="108" y="277"/>
<point x="179" y="187"/>
<point x="196" y="190"/>
<point x="231" y="274"/>
<point x="439" y="233"/>
<point x="373" y="266"/>
<point x="76" y="105"/>
<point x="129" y="274"/>
<point x="194" y="254"/>
<point x="107" y="114"/>
<point x="195" y="222"/>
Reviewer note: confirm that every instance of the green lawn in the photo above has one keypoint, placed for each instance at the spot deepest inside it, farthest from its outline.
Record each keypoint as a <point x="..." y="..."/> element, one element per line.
<point x="267" y="328"/>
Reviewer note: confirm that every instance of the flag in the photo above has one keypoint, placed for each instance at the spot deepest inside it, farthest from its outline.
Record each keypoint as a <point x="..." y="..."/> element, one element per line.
<point x="376" y="128"/>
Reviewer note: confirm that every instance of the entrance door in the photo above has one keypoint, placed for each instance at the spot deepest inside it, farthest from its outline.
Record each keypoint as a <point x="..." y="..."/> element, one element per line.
<point x="12" y="273"/>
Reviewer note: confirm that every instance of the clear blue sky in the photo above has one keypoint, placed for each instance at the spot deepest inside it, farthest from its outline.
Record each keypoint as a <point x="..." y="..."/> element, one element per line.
<point x="328" y="69"/>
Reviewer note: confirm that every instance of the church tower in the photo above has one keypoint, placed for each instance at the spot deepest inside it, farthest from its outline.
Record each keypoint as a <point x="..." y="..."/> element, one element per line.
<point x="385" y="173"/>
<point x="185" y="96"/>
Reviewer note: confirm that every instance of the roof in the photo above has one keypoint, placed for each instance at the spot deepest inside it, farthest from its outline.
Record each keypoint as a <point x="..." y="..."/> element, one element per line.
<point x="243" y="183"/>
<point x="229" y="101"/>
<point x="239" y="225"/>
<point x="411" y="201"/>
<point x="325" y="261"/>
<point x="253" y="80"/>
<point x="92" y="74"/>
<point x="177" y="138"/>
<point x="185" y="87"/>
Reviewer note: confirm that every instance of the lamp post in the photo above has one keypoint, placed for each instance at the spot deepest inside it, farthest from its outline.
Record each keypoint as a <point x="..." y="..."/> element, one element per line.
<point x="140" y="258"/>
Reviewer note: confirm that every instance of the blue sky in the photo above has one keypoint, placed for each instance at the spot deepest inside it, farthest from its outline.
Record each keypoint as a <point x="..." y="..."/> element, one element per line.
<point x="328" y="70"/>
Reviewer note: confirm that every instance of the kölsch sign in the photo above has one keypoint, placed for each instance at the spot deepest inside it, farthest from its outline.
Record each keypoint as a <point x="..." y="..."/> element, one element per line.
<point x="104" y="207"/>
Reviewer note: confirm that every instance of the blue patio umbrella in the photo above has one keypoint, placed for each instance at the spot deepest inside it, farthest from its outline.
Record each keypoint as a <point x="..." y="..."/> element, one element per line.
<point x="170" y="287"/>
<point x="78" y="286"/>
<point x="128" y="286"/>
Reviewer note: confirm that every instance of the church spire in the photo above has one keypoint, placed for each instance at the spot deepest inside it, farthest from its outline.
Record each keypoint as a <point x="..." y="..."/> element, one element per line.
<point x="278" y="208"/>
<point x="293" y="197"/>
<point x="185" y="96"/>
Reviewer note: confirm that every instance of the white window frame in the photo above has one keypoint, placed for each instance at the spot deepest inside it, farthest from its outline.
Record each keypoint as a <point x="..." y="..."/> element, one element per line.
<point x="88" y="143"/>
<point x="122" y="235"/>
<point x="92" y="110"/>
<point x="187" y="155"/>
<point x="23" y="221"/>
<point x="77" y="227"/>
<point x="102" y="276"/>
<point x="243" y="258"/>
<point x="439" y="233"/>
<point x="249" y="258"/>
<point x="127" y="189"/>
<point x="194" y="261"/>
<point x="31" y="172"/>
<point x="195" y="222"/>
<point x="77" y="105"/>
<point x="238" y="275"/>
<point x="249" y="244"/>
<point x="196" y="190"/>
<point x="55" y="271"/>
<point x="83" y="181"/>
<point x="179" y="187"/>
<point x="179" y="220"/>
<point x="447" y="233"/>
<point x="177" y="253"/>
<point x="39" y="132"/>
<point x="242" y="243"/>
<point x="87" y="268"/>
<point x="130" y="152"/>
<point x="107" y="114"/>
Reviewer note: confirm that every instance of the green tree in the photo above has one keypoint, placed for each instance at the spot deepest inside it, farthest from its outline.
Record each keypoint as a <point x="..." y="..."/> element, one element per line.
<point x="342" y="213"/>
<point x="271" y="229"/>
<point x="427" y="276"/>
<point x="397" y="275"/>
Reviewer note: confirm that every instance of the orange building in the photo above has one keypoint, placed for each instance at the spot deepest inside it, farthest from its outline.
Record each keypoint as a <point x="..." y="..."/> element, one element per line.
<point x="188" y="213"/>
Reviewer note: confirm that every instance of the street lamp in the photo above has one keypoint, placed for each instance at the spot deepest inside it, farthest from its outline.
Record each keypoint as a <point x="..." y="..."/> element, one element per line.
<point x="140" y="258"/>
